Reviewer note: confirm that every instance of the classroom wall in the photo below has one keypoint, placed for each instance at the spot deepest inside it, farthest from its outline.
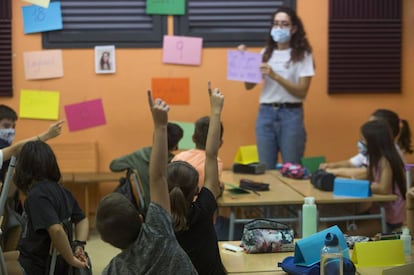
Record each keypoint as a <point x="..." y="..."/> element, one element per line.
<point x="332" y="121"/>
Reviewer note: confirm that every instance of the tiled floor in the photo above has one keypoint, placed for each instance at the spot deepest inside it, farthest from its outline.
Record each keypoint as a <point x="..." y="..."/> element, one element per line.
<point x="99" y="252"/>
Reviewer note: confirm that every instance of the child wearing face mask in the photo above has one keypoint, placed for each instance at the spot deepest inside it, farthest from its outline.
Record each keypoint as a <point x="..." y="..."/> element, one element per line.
<point x="385" y="170"/>
<point x="287" y="71"/>
<point x="356" y="167"/>
<point x="8" y="118"/>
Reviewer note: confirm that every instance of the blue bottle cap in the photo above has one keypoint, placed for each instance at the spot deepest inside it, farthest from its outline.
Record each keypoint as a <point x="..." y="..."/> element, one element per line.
<point x="331" y="240"/>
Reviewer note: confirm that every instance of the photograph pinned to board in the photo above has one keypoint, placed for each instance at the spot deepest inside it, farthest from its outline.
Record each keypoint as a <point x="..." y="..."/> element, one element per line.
<point x="105" y="59"/>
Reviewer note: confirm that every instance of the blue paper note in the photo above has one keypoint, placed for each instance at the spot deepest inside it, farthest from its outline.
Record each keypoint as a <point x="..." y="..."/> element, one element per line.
<point x="38" y="19"/>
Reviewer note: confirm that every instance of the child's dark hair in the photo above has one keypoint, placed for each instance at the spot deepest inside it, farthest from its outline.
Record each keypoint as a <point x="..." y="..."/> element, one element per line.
<point x="7" y="112"/>
<point x="35" y="162"/>
<point x="117" y="220"/>
<point x="380" y="143"/>
<point x="175" y="134"/>
<point x="404" y="132"/>
<point x="182" y="181"/>
<point x="201" y="131"/>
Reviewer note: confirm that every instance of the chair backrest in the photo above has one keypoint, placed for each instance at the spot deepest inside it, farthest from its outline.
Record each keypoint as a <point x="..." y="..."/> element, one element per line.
<point x="3" y="198"/>
<point x="312" y="163"/>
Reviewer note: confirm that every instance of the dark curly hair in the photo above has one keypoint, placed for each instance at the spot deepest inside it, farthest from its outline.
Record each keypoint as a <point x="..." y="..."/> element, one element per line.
<point x="298" y="42"/>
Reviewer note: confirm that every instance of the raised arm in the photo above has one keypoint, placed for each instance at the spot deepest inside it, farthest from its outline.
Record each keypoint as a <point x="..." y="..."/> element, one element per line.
<point x="53" y="131"/>
<point x="159" y="154"/>
<point x="211" y="177"/>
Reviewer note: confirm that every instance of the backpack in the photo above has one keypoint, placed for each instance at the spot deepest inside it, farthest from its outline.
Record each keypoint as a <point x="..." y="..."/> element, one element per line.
<point x="323" y="180"/>
<point x="125" y="188"/>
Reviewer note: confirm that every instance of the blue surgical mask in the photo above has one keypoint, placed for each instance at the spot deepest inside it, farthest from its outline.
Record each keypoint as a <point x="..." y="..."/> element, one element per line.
<point x="7" y="135"/>
<point x="362" y="148"/>
<point x="280" y="35"/>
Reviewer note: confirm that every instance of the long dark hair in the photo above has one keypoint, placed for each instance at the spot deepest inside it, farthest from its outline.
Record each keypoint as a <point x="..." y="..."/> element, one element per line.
<point x="298" y="42"/>
<point x="182" y="181"/>
<point x="381" y="144"/>
<point x="35" y="162"/>
<point x="403" y="132"/>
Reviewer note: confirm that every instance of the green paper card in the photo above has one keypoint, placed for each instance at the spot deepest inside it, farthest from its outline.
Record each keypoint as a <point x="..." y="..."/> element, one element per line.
<point x="187" y="141"/>
<point x="169" y="7"/>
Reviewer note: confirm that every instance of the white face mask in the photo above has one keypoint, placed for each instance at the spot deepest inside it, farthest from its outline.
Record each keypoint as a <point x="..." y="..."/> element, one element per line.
<point x="280" y="35"/>
<point x="7" y="135"/>
<point x="362" y="148"/>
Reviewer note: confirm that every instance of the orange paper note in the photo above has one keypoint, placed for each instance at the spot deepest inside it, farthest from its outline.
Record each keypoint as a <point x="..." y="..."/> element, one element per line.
<point x="174" y="91"/>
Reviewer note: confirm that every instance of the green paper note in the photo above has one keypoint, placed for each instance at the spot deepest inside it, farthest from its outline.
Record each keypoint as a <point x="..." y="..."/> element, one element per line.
<point x="169" y="7"/>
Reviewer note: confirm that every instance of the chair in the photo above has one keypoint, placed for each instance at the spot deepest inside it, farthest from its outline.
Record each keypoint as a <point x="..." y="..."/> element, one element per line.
<point x="408" y="168"/>
<point x="3" y="198"/>
<point x="312" y="163"/>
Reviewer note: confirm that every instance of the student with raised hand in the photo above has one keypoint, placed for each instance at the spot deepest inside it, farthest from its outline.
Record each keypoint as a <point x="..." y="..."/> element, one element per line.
<point x="193" y="208"/>
<point x="385" y="170"/>
<point x="139" y="160"/>
<point x="53" y="131"/>
<point x="8" y="118"/>
<point x="150" y="246"/>
<point x="47" y="205"/>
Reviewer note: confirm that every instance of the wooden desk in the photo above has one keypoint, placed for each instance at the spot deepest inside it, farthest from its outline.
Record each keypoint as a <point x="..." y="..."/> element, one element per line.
<point x="241" y="263"/>
<point x="279" y="194"/>
<point x="87" y="178"/>
<point x="305" y="188"/>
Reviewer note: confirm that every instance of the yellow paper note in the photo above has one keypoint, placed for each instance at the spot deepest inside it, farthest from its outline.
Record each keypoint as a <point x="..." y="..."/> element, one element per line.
<point x="378" y="253"/>
<point x="39" y="104"/>
<point x="247" y="154"/>
<point x="42" y="3"/>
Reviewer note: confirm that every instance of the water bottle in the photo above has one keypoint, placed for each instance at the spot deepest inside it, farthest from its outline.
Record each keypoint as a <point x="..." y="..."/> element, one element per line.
<point x="309" y="217"/>
<point x="331" y="256"/>
<point x="406" y="238"/>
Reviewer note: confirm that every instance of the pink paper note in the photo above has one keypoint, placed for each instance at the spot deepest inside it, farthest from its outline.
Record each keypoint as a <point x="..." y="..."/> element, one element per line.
<point x="182" y="50"/>
<point x="43" y="64"/>
<point x="84" y="115"/>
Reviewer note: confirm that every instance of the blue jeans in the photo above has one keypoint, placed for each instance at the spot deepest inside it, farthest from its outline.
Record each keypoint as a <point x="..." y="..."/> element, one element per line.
<point x="280" y="129"/>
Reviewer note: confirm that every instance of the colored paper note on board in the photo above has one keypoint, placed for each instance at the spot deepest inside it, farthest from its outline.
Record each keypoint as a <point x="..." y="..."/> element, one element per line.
<point x="85" y="115"/>
<point x="43" y="64"/>
<point x="39" y="104"/>
<point x="169" y="7"/>
<point x="42" y="3"/>
<point x="186" y="141"/>
<point x="174" y="91"/>
<point x="181" y="50"/>
<point x="244" y="66"/>
<point x="38" y="19"/>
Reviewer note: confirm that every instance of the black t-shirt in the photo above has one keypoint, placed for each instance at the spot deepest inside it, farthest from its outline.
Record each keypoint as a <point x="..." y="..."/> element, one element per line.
<point x="46" y="204"/>
<point x="200" y="240"/>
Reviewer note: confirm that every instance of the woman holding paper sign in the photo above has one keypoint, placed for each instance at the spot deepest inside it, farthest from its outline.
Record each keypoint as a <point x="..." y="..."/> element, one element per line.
<point x="287" y="71"/>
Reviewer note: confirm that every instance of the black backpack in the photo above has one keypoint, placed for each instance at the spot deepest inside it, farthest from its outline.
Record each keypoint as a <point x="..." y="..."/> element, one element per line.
<point x="323" y="180"/>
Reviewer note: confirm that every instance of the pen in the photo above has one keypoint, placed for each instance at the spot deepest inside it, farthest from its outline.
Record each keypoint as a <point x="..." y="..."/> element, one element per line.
<point x="254" y="191"/>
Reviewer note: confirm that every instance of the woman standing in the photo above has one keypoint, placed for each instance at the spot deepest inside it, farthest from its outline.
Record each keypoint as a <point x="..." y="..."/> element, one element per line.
<point x="287" y="70"/>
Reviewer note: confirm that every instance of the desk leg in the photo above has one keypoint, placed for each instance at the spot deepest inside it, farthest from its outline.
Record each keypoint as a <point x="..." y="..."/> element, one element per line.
<point x="383" y="220"/>
<point x="231" y="224"/>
